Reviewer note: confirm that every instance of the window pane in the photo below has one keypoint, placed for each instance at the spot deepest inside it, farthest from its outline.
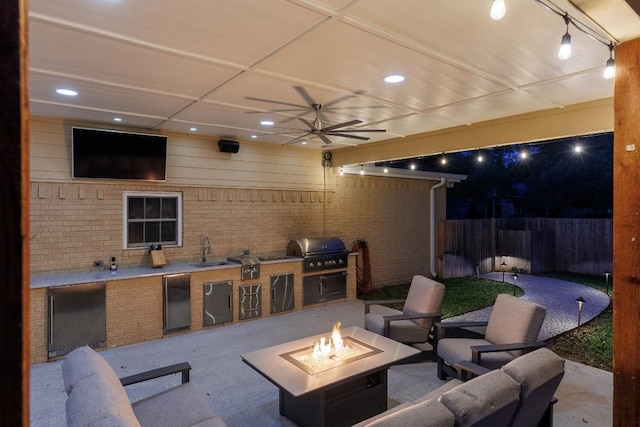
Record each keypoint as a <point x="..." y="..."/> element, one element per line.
<point x="135" y="232"/>
<point x="136" y="207"/>
<point x="169" y="207"/>
<point x="168" y="233"/>
<point x="152" y="232"/>
<point x="152" y="209"/>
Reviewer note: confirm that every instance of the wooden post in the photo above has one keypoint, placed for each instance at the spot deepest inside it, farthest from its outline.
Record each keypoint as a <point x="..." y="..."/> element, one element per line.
<point x="14" y="216"/>
<point x="626" y="236"/>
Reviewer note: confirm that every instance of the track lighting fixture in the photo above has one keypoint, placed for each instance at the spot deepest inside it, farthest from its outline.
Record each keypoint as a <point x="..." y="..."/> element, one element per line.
<point x="610" y="68"/>
<point x="565" y="45"/>
<point x="498" y="10"/>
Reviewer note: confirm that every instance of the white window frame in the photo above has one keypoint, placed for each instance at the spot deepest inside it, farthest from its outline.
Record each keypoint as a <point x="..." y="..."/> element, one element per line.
<point x="125" y="217"/>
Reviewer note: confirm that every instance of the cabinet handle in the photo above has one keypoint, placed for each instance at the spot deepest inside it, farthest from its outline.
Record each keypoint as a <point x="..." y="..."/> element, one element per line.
<point x="51" y="328"/>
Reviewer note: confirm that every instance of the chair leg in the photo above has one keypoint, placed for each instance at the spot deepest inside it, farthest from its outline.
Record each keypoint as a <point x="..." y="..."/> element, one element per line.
<point x="441" y="374"/>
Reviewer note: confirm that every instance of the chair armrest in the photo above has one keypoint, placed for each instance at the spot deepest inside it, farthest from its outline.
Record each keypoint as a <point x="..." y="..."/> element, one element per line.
<point x="477" y="350"/>
<point x="389" y="319"/>
<point x="468" y="369"/>
<point x="369" y="303"/>
<point x="183" y="367"/>
<point x="444" y="329"/>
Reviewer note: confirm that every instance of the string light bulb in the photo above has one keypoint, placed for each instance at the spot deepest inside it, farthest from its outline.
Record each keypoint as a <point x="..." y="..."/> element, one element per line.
<point x="480" y="158"/>
<point x="498" y="10"/>
<point x="443" y="160"/>
<point x="386" y="170"/>
<point x="361" y="169"/>
<point x="610" y="68"/>
<point x="341" y="171"/>
<point x="413" y="166"/>
<point x="565" y="44"/>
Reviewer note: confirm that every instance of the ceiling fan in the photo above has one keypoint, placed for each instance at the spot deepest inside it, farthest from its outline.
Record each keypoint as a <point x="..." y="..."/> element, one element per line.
<point x="316" y="128"/>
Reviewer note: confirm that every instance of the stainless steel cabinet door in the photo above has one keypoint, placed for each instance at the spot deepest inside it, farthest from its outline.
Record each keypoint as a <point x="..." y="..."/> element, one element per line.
<point x="218" y="300"/>
<point x="77" y="317"/>
<point x="177" y="302"/>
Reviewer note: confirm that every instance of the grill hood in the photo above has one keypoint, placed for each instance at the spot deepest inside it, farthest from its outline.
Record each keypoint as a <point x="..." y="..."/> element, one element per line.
<point x="315" y="246"/>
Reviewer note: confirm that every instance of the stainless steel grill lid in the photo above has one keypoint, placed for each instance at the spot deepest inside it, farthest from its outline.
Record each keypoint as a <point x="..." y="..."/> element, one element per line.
<point x="315" y="246"/>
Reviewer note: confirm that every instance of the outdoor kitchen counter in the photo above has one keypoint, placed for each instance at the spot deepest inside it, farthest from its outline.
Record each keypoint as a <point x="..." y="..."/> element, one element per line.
<point x="134" y="300"/>
<point x="81" y="277"/>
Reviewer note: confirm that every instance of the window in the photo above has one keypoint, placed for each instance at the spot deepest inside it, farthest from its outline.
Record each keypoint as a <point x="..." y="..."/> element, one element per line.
<point x="152" y="218"/>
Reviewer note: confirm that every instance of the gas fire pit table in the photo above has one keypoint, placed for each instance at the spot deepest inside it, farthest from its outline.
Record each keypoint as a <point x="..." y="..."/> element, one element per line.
<point x="340" y="388"/>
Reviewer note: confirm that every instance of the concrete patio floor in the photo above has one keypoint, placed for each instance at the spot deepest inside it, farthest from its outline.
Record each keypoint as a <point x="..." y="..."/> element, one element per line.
<point x="243" y="398"/>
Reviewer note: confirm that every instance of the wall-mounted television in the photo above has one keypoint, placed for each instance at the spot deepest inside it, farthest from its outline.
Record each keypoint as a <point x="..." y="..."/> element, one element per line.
<point x="107" y="154"/>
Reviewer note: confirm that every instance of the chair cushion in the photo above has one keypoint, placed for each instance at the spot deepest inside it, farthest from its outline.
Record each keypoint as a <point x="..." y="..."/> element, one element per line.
<point x="82" y="363"/>
<point x="425" y="296"/>
<point x="539" y="374"/>
<point x="455" y="350"/>
<point x="514" y="320"/>
<point x="488" y="400"/>
<point x="193" y="409"/>
<point x="430" y="412"/>
<point x="400" y="330"/>
<point x="99" y="400"/>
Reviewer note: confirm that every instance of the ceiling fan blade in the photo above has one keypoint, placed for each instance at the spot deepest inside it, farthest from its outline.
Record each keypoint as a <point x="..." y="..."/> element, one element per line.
<point x="305" y="95"/>
<point x="339" y="125"/>
<point x="346" y="135"/>
<point x="297" y="138"/>
<point x="344" y="98"/>
<point x="288" y="104"/>
<point x="361" y="130"/>
<point x="324" y="138"/>
<point x="308" y="123"/>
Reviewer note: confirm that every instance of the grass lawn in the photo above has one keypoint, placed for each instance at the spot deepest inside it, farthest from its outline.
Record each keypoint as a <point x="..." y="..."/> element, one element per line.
<point x="591" y="344"/>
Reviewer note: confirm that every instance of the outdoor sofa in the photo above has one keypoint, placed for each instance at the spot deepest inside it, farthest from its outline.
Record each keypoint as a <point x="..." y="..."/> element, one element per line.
<point x="520" y="394"/>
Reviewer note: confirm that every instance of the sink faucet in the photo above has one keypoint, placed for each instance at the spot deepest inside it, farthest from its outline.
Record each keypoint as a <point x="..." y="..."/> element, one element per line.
<point x="206" y="248"/>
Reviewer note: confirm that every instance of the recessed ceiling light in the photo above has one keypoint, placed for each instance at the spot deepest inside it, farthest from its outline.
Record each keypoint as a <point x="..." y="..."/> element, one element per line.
<point x="304" y="143"/>
<point x="67" y="92"/>
<point x="267" y="123"/>
<point x="117" y="119"/>
<point x="193" y="129"/>
<point x="254" y="136"/>
<point x="394" y="78"/>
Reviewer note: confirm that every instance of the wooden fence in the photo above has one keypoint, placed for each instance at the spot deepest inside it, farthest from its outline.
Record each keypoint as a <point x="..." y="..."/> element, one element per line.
<point x="530" y="245"/>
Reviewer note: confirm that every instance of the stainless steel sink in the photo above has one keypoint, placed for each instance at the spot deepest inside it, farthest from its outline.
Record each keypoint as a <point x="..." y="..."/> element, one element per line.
<point x="212" y="263"/>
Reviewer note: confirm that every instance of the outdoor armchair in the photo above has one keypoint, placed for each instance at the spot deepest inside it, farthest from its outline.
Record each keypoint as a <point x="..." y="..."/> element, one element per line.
<point x="512" y="330"/>
<point x="414" y="323"/>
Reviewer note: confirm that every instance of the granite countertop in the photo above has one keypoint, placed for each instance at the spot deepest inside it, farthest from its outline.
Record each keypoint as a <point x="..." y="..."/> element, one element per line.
<point x="81" y="277"/>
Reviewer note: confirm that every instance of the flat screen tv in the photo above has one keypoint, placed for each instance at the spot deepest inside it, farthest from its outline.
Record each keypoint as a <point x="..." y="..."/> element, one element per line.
<point x="106" y="154"/>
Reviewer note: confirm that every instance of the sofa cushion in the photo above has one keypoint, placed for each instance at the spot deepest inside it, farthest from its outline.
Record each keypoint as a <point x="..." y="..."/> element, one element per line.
<point x="455" y="350"/>
<point x="425" y="296"/>
<point x="488" y="400"/>
<point x="100" y="400"/>
<point x="539" y="374"/>
<point x="514" y="320"/>
<point x="191" y="409"/>
<point x="430" y="412"/>
<point x="82" y="363"/>
<point x="401" y="330"/>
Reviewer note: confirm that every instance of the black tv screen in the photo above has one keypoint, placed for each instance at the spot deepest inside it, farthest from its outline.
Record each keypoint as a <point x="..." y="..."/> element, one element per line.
<point x="98" y="153"/>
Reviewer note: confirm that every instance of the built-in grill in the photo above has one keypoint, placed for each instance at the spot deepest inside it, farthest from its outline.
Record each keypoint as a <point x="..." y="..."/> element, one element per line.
<point x="319" y="253"/>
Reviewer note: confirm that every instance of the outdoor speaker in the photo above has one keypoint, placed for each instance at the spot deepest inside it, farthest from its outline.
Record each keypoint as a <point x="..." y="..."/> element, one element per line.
<point x="228" y="146"/>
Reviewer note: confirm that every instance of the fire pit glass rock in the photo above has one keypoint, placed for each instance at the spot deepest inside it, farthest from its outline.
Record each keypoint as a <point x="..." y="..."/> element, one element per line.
<point x="330" y="353"/>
